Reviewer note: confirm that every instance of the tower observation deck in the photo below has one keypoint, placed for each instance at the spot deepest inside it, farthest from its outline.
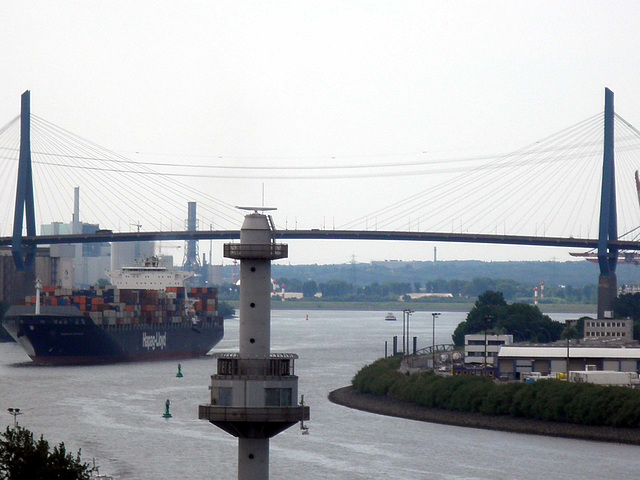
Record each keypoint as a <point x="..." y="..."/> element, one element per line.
<point x="254" y="395"/>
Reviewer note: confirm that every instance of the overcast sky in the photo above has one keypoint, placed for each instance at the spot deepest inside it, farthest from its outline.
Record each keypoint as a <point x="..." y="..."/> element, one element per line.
<point x="306" y="83"/>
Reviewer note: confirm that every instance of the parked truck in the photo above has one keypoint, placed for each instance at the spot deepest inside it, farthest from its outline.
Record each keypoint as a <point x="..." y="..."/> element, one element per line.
<point x="604" y="377"/>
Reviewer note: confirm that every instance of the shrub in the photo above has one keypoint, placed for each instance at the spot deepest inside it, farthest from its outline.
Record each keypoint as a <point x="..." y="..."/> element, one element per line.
<point x="550" y="400"/>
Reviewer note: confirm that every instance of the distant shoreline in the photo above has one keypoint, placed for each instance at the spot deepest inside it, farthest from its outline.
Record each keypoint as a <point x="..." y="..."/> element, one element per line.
<point x="583" y="309"/>
<point x="348" y="397"/>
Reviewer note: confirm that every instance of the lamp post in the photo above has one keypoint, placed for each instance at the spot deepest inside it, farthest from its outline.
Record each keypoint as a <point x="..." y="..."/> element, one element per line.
<point x="15" y="412"/>
<point x="433" y="340"/>
<point x="568" y="342"/>
<point x="404" y="329"/>
<point x="408" y="312"/>
<point x="486" y="318"/>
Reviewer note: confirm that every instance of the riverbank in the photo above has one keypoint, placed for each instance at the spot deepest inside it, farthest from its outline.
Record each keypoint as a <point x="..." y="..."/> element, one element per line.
<point x="367" y="402"/>
<point x="415" y="306"/>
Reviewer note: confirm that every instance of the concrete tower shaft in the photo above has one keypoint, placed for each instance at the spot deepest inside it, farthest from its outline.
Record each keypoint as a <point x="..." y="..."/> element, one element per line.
<point x="255" y="287"/>
<point x="608" y="230"/>
<point x="191" y="253"/>
<point x="255" y="311"/>
<point x="254" y="395"/>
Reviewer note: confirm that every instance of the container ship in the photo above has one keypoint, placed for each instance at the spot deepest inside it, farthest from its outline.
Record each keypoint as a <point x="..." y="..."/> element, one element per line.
<point x="147" y="314"/>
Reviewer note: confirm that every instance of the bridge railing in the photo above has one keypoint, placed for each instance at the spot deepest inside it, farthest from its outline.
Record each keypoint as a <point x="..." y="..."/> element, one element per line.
<point x="242" y="250"/>
<point x="444" y="347"/>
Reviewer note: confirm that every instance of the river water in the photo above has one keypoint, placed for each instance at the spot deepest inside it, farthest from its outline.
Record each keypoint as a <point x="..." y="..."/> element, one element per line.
<point x="114" y="413"/>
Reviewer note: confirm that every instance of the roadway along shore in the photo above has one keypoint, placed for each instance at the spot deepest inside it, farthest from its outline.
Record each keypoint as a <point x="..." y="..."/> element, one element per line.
<point x="348" y="397"/>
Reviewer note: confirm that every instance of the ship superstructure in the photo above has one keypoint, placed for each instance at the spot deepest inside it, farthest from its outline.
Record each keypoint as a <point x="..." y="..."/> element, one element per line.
<point x="149" y="275"/>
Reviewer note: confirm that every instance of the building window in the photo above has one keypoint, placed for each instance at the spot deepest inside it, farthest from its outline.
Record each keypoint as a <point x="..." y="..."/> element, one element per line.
<point x="225" y="366"/>
<point x="277" y="397"/>
<point x="225" y="394"/>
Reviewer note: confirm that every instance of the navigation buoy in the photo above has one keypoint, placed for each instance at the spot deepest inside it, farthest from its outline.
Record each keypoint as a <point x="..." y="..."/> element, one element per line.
<point x="179" y="374"/>
<point x="167" y="405"/>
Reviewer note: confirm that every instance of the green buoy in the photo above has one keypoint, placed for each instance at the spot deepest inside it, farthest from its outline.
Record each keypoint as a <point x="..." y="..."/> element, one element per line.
<point x="179" y="374"/>
<point x="166" y="406"/>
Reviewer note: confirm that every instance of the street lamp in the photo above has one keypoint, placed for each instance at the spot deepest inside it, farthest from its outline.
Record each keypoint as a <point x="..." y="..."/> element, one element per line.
<point x="404" y="329"/>
<point x="15" y="412"/>
<point x="568" y="357"/>
<point x="408" y="312"/>
<point x="486" y="318"/>
<point x="433" y="340"/>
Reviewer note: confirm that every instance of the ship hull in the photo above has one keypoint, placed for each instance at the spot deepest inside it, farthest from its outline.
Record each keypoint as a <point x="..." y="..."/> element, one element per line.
<point x="71" y="340"/>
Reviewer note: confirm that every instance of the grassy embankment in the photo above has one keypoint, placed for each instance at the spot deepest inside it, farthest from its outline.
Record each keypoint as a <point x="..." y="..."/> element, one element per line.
<point x="546" y="400"/>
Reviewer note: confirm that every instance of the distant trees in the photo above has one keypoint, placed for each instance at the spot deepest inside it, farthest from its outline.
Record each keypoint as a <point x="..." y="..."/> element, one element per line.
<point x="225" y="310"/>
<point x="523" y="321"/>
<point x="335" y="289"/>
<point x="341" y="290"/>
<point x="628" y="306"/>
<point x="228" y="291"/>
<point x="309" y="289"/>
<point x="24" y="458"/>
<point x="549" y="400"/>
<point x="290" y="284"/>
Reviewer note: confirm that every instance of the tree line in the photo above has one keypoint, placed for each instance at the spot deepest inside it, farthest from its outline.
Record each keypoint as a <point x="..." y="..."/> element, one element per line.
<point x="341" y="290"/>
<point x="628" y="306"/>
<point x="22" y="457"/>
<point x="549" y="400"/>
<point x="492" y="313"/>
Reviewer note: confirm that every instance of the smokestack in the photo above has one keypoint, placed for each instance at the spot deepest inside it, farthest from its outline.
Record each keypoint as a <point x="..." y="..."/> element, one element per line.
<point x="75" y="221"/>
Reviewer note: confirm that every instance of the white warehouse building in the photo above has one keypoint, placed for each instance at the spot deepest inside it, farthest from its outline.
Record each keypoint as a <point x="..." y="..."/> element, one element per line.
<point x="514" y="361"/>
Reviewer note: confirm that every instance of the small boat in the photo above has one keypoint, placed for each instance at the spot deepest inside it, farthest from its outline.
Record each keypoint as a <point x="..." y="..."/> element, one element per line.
<point x="94" y="473"/>
<point x="390" y="317"/>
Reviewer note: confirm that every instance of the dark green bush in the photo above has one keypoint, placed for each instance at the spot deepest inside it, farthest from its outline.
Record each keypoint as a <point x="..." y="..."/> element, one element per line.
<point x="551" y="400"/>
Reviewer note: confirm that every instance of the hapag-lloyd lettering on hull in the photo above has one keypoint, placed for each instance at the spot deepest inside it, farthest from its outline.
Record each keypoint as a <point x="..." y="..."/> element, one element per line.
<point x="159" y="340"/>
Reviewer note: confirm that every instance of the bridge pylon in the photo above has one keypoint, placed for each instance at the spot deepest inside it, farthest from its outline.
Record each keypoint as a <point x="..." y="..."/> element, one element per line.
<point x="608" y="231"/>
<point x="24" y="255"/>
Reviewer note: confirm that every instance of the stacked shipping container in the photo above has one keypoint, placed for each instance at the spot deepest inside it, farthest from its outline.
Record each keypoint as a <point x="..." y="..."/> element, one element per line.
<point x="113" y="306"/>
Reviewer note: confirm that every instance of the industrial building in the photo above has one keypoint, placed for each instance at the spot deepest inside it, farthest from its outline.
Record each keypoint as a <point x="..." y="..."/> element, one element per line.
<point x="481" y="349"/>
<point x="16" y="284"/>
<point x="516" y="360"/>
<point x="609" y="328"/>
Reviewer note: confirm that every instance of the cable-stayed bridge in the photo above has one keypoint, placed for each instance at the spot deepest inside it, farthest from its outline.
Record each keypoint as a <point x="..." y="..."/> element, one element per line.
<point x="561" y="191"/>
